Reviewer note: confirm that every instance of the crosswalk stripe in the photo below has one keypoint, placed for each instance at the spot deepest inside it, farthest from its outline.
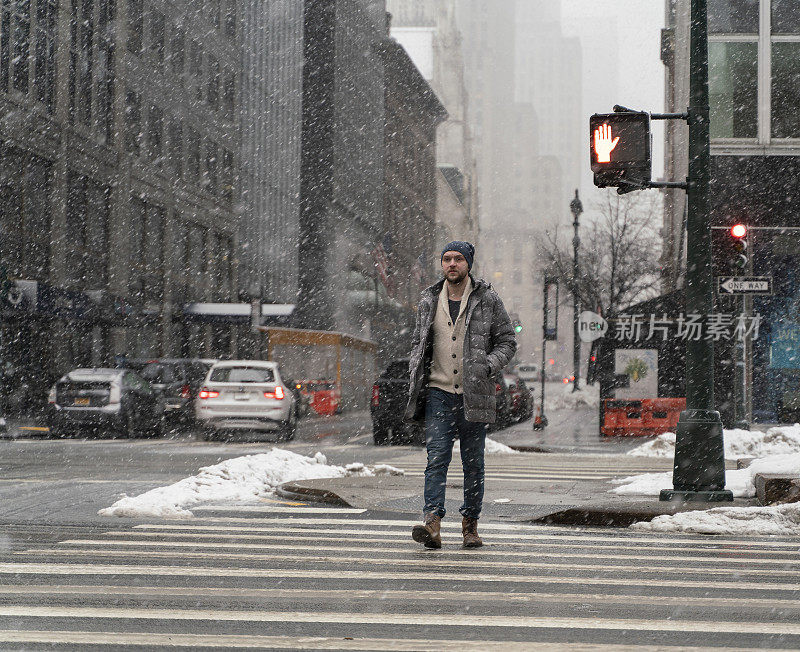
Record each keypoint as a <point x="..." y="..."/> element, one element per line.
<point x="514" y="478"/>
<point x="422" y="556"/>
<point x="458" y="552"/>
<point x="402" y="539"/>
<point x="447" y="525"/>
<point x="295" y="520"/>
<point x="772" y="602"/>
<point x="430" y="620"/>
<point x="262" y="642"/>
<point x="537" y="473"/>
<point x="273" y="508"/>
<point x="30" y="568"/>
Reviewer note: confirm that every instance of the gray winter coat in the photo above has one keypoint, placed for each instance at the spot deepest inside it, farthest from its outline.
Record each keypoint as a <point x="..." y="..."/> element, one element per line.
<point x="489" y="344"/>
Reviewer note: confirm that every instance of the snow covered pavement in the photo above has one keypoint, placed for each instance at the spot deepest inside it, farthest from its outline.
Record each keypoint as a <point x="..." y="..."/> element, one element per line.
<point x="244" y="478"/>
<point x="777" y="451"/>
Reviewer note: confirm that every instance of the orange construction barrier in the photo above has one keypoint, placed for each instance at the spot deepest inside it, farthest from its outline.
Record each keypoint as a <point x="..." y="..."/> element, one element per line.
<point x="637" y="417"/>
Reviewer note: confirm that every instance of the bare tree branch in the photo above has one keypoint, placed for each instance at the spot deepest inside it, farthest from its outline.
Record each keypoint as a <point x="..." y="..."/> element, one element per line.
<point x="618" y="255"/>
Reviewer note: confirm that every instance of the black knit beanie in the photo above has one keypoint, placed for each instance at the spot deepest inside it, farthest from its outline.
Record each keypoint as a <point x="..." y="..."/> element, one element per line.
<point x="462" y="247"/>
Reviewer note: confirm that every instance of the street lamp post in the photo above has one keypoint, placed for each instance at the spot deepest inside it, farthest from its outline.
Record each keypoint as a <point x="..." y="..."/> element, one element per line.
<point x="699" y="467"/>
<point x="577" y="208"/>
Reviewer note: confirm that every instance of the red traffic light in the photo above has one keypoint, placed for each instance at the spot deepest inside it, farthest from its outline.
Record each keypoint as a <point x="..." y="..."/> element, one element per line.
<point x="738" y="230"/>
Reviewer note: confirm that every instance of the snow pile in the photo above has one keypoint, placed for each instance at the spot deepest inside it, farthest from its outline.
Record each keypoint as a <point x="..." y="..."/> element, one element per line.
<point x="661" y="446"/>
<point x="491" y="447"/>
<point x="740" y="481"/>
<point x="780" y="440"/>
<point x="239" y="479"/>
<point x="775" y="519"/>
<point x="564" y="398"/>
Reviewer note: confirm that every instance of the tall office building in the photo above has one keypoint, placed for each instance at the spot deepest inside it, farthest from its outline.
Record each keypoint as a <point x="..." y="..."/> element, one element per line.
<point x="430" y="34"/>
<point x="271" y="117"/>
<point x="119" y="143"/>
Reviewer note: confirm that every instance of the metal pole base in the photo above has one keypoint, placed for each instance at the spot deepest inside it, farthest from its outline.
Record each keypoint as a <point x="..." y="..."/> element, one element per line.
<point x="540" y="424"/>
<point x="723" y="496"/>
<point x="699" y="468"/>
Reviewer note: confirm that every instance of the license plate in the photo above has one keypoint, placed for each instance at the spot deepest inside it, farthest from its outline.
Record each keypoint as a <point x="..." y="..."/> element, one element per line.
<point x="241" y="397"/>
<point x="82" y="401"/>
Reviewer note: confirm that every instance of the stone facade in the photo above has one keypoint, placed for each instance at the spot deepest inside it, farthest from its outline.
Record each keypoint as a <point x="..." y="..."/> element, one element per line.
<point x="120" y="142"/>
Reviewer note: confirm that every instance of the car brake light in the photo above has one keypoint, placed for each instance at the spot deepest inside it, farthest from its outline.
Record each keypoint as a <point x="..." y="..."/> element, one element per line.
<point x="186" y="391"/>
<point x="497" y="388"/>
<point x="278" y="393"/>
<point x="376" y="396"/>
<point x="208" y="393"/>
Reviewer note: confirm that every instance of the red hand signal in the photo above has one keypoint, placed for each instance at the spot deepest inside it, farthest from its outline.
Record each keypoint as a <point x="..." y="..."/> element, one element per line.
<point x="604" y="143"/>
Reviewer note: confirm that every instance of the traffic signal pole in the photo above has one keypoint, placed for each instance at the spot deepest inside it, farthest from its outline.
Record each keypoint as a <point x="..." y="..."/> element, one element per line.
<point x="699" y="466"/>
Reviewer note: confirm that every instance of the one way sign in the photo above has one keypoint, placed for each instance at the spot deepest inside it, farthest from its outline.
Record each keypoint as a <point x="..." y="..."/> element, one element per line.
<point x="744" y="284"/>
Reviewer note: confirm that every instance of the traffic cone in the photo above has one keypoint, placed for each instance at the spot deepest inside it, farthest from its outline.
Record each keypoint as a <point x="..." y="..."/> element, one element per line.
<point x="537" y="419"/>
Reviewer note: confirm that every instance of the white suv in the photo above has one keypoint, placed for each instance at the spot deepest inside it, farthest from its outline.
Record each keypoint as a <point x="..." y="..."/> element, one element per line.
<point x="246" y="395"/>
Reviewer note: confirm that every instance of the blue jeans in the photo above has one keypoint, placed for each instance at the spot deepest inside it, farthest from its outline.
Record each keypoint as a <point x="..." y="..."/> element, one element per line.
<point x="444" y="423"/>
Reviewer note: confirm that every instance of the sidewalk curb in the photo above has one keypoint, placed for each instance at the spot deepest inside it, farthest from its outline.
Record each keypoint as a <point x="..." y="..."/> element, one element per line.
<point x="293" y="491"/>
<point x="626" y="515"/>
<point x="529" y="449"/>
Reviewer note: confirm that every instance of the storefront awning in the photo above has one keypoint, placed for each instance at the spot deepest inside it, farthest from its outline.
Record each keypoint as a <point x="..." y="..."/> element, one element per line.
<point x="236" y="313"/>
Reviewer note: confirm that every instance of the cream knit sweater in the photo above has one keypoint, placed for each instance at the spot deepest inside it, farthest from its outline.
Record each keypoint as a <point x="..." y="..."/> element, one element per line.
<point x="448" y="344"/>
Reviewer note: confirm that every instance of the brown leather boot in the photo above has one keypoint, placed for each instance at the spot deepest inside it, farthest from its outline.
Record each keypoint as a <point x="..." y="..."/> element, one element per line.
<point x="469" y="528"/>
<point x="429" y="533"/>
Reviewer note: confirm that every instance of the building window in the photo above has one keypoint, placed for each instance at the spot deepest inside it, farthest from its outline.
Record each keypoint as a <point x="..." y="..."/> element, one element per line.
<point x="733" y="89"/>
<point x="211" y="167"/>
<point x="223" y="273"/>
<point x="20" y="43"/>
<point x="193" y="154"/>
<point x="25" y="215"/>
<point x="196" y="69"/>
<point x="212" y="96"/>
<point x="228" y="175"/>
<point x="88" y="211"/>
<point x="229" y="94"/>
<point x="157" y="36"/>
<point x="214" y="11"/>
<point x="155" y="132"/>
<point x="230" y="19"/>
<point x="44" y="79"/>
<point x="146" y="252"/>
<point x="81" y="61"/>
<point x="177" y="55"/>
<point x="133" y="122"/>
<point x="135" y="25"/>
<point x="176" y="146"/>
<point x="105" y="71"/>
<point x="195" y="261"/>
<point x="754" y="69"/>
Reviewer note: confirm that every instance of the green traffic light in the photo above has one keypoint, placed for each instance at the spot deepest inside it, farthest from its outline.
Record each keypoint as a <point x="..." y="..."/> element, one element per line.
<point x="518" y="329"/>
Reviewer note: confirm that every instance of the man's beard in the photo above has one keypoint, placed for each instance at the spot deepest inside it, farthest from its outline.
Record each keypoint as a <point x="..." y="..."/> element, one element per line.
<point x="458" y="279"/>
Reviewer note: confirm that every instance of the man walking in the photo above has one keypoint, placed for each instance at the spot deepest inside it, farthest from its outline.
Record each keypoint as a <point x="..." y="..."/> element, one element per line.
<point x="463" y="337"/>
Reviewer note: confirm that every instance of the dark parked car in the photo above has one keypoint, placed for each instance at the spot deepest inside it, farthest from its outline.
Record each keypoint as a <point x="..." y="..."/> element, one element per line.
<point x="389" y="397"/>
<point x="102" y="400"/>
<point x="177" y="380"/>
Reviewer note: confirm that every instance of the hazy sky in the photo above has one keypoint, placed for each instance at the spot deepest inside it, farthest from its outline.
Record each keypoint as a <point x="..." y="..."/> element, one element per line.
<point x="621" y="41"/>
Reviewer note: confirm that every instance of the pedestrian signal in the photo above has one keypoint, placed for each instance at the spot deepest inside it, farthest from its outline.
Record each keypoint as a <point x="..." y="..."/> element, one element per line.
<point x="620" y="151"/>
